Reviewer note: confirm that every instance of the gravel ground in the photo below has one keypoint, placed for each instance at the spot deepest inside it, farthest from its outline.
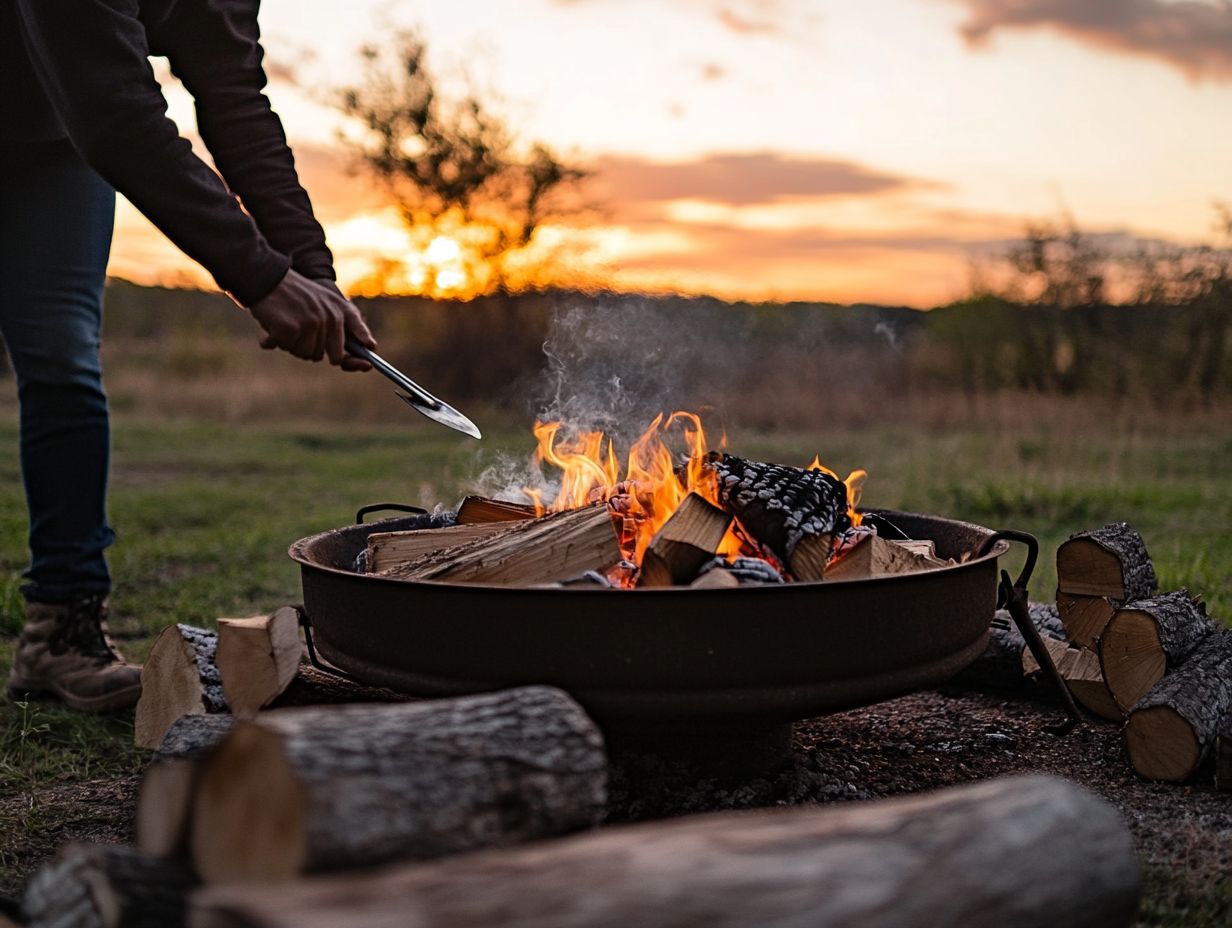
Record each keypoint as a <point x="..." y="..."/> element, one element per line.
<point x="915" y="743"/>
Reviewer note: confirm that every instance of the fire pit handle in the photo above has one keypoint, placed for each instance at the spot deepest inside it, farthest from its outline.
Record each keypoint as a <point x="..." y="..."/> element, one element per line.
<point x="1028" y="568"/>
<point x="381" y="507"/>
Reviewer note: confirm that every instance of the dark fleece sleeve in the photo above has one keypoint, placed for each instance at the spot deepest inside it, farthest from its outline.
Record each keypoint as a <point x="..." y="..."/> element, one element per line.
<point x="92" y="58"/>
<point x="214" y="48"/>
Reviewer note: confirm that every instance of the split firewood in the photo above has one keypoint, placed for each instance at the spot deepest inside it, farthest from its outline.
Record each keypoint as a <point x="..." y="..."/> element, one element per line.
<point x="390" y="549"/>
<point x="874" y="556"/>
<point x="315" y="789"/>
<point x="793" y="513"/>
<point x="1079" y="668"/>
<point x="1000" y="667"/>
<point x="925" y="548"/>
<point x="546" y="550"/>
<point x="1172" y="727"/>
<point x="1223" y="755"/>
<point x="718" y="579"/>
<point x="748" y="571"/>
<point x="1097" y="571"/>
<point x="1147" y="638"/>
<point x="476" y="510"/>
<point x="687" y="540"/>
<point x="1031" y="852"/>
<point x="1111" y="561"/>
<point x="179" y="678"/>
<point x="258" y="658"/>
<point x="108" y="886"/>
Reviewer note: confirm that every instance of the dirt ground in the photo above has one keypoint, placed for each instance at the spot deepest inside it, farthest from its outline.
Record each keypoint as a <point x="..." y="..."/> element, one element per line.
<point x="915" y="743"/>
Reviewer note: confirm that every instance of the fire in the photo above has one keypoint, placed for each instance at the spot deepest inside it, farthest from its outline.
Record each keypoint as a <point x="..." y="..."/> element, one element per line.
<point x="651" y="483"/>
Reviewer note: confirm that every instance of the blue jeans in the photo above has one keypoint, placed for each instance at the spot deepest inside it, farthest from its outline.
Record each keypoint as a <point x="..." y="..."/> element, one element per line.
<point x="55" y="234"/>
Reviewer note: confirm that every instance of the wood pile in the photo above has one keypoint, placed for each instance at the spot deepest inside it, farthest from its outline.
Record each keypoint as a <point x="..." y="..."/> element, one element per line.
<point x="790" y="517"/>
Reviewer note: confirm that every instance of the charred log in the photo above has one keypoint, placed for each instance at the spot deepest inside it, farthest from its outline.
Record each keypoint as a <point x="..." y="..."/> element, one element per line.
<point x="1146" y="639"/>
<point x="792" y="513"/>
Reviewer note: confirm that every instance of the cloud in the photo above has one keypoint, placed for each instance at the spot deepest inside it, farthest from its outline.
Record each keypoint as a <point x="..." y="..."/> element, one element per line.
<point x="741" y="179"/>
<point x="1194" y="36"/>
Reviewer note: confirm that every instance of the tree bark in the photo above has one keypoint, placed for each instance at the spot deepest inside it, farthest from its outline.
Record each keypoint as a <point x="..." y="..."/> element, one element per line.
<point x="1147" y="638"/>
<point x="792" y="513"/>
<point x="314" y="789"/>
<point x="1172" y="727"/>
<point x="1111" y="561"/>
<point x="1028" y="852"/>
<point x="1223" y="755"/>
<point x="108" y="886"/>
<point x="178" y="678"/>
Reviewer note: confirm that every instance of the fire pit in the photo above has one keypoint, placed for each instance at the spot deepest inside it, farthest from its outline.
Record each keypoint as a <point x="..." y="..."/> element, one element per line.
<point x="759" y="654"/>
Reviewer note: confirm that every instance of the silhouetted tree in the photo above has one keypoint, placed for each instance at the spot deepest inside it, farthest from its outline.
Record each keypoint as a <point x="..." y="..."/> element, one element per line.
<point x="452" y="165"/>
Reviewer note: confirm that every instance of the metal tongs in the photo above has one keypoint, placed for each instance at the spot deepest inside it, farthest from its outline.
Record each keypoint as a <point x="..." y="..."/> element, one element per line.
<point x="415" y="396"/>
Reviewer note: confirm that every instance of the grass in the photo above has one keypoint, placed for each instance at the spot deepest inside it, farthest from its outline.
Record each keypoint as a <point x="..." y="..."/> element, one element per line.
<point x="205" y="513"/>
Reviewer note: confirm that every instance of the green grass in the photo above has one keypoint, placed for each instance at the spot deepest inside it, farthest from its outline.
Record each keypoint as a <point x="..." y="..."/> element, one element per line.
<point x="205" y="513"/>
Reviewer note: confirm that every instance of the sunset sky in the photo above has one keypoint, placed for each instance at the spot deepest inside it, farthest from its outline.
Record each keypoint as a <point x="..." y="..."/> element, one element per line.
<point x="787" y="149"/>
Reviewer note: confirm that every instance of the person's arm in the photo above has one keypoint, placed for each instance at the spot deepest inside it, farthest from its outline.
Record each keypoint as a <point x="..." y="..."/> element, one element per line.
<point x="214" y="48"/>
<point x="92" y="59"/>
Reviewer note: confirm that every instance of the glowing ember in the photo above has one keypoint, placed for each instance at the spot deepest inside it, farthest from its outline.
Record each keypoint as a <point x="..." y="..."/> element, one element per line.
<point x="651" y="483"/>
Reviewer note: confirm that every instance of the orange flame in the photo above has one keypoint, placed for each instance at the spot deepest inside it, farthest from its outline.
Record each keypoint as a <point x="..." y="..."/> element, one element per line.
<point x="653" y="483"/>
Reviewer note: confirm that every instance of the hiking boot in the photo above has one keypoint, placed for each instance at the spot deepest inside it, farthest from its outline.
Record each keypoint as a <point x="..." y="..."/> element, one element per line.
<point x="64" y="651"/>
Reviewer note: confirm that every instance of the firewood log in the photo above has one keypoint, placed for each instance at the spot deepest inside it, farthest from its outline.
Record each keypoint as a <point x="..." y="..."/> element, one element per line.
<point x="1028" y="852"/>
<point x="717" y="579"/>
<point x="1223" y="755"/>
<point x="1111" y="561"/>
<point x="1000" y="666"/>
<point x="476" y="510"/>
<point x="546" y="550"/>
<point x="792" y="513"/>
<point x="1148" y="637"/>
<point x="1172" y="727"/>
<point x="874" y="556"/>
<point x="178" y="678"/>
<point x="108" y="886"/>
<point x="258" y="658"/>
<point x="1085" y="617"/>
<point x="313" y="789"/>
<point x="1079" y="668"/>
<point x="687" y="540"/>
<point x="389" y="549"/>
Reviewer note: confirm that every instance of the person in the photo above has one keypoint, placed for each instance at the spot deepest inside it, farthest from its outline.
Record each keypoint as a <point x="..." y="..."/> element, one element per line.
<point x="83" y="116"/>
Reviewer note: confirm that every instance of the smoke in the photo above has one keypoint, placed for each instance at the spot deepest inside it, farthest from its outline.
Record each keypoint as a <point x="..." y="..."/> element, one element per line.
<point x="613" y="364"/>
<point x="890" y="334"/>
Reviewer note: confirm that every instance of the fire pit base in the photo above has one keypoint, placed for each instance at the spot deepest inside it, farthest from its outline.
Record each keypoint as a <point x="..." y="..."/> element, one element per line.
<point x="703" y="749"/>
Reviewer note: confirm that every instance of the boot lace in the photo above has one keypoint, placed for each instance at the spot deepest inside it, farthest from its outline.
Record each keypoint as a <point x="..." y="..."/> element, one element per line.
<point x="85" y="630"/>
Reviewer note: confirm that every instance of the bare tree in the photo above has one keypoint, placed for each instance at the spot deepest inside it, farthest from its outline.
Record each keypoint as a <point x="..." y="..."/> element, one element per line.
<point x="453" y="166"/>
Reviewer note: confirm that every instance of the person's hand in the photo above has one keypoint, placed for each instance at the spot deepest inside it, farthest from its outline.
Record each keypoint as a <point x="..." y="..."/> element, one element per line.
<point x="311" y="319"/>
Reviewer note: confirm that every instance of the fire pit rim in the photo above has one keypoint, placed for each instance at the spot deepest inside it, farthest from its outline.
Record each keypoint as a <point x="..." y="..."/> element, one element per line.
<point x="298" y="551"/>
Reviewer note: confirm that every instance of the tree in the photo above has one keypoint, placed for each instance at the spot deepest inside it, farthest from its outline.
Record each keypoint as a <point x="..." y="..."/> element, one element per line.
<point x="462" y="180"/>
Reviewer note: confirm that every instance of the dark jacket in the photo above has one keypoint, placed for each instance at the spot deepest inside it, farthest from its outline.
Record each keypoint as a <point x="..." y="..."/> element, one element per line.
<point x="80" y="68"/>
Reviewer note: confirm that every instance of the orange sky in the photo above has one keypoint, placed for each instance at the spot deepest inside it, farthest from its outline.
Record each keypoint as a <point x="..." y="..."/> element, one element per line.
<point x="787" y="149"/>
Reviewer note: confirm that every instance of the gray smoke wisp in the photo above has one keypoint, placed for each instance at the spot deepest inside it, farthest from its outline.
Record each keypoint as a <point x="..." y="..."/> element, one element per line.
<point x="613" y="364"/>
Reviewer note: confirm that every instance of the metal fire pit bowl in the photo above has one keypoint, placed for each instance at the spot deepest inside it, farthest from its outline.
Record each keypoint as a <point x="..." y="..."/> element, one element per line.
<point x="641" y="658"/>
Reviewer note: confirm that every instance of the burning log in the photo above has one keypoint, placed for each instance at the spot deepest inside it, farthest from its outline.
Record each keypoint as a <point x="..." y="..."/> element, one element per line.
<point x="1147" y="638"/>
<point x="874" y="556"/>
<point x="684" y="544"/>
<point x="1172" y="727"/>
<point x="938" y="859"/>
<point x="1097" y="571"/>
<point x="179" y="678"/>
<point x="547" y="550"/>
<point x="313" y="789"/>
<point x="792" y="513"/>
<point x="258" y="658"/>
<point x="1079" y="668"/>
<point x="478" y="510"/>
<point x="388" y="550"/>
<point x="108" y="886"/>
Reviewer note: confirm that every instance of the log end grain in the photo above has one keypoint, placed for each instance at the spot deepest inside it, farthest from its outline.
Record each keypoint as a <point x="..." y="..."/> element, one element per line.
<point x="1111" y="561"/>
<point x="1084" y="617"/>
<point x="1162" y="744"/>
<point x="1132" y="656"/>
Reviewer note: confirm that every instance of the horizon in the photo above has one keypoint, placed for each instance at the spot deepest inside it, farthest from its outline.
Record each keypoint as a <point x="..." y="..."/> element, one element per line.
<point x="781" y="150"/>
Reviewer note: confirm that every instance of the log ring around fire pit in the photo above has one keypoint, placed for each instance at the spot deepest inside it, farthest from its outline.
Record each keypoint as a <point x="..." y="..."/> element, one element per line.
<point x="759" y="654"/>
